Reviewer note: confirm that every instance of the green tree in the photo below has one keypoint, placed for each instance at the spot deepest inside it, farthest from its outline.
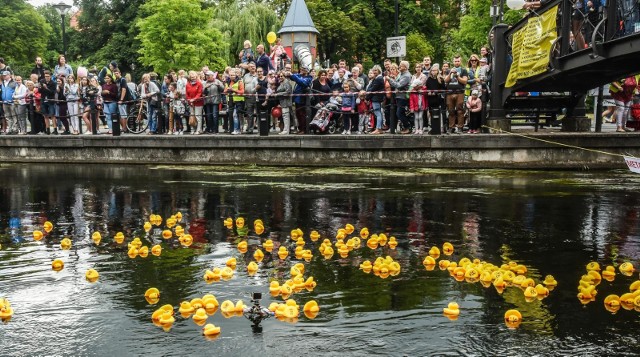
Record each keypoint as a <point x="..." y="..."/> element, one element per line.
<point x="418" y="47"/>
<point x="24" y="34"/>
<point x="239" y="22"/>
<point x="179" y="34"/>
<point x="106" y="32"/>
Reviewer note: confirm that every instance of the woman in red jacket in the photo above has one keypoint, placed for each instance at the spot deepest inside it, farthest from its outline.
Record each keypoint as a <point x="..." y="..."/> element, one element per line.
<point x="195" y="100"/>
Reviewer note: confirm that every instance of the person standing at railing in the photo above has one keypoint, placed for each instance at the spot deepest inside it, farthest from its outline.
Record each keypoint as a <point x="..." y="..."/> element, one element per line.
<point x="303" y="84"/>
<point x="124" y="96"/>
<point x="376" y="95"/>
<point x="20" y="105"/>
<point x="149" y="92"/>
<point x="73" y="96"/>
<point x="401" y="85"/>
<point x="456" y="80"/>
<point x="8" y="88"/>
<point x="235" y="91"/>
<point x="194" y="98"/>
<point x="47" y="88"/>
<point x="213" y="89"/>
<point x="283" y="93"/>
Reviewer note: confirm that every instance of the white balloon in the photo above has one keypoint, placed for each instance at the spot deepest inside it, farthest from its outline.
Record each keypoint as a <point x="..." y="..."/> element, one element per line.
<point x="515" y="4"/>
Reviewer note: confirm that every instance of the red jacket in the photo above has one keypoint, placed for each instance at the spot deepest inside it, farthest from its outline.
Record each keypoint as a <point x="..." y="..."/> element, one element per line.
<point x="194" y="91"/>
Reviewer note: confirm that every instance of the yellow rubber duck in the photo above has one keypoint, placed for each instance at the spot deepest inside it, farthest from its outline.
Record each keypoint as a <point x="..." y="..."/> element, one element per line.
<point x="283" y="253"/>
<point x="310" y="284"/>
<point x="65" y="244"/>
<point x="239" y="307"/>
<point x="200" y="317"/>
<point x="528" y="283"/>
<point x="307" y="255"/>
<point x="152" y="295"/>
<point x="612" y="303"/>
<point x="372" y="242"/>
<point x="119" y="238"/>
<point x="132" y="253"/>
<point x="259" y="228"/>
<point x="393" y="243"/>
<point x="434" y="252"/>
<point x="341" y="234"/>
<point x="48" y="226"/>
<point x="274" y="288"/>
<point x="452" y="309"/>
<point x="196" y="303"/>
<point x="240" y="222"/>
<point x="143" y="252"/>
<point x="593" y="266"/>
<point x="512" y="318"/>
<point x="626" y="268"/>
<point x="57" y="265"/>
<point x="635" y="286"/>
<point x="156" y="250"/>
<point x="382" y="239"/>
<point x="37" y="235"/>
<point x="258" y="255"/>
<point x="212" y="275"/>
<point x="171" y="222"/>
<point x="285" y="291"/>
<point x="167" y="319"/>
<point x="549" y="280"/>
<point x="447" y="248"/>
<point x="300" y="242"/>
<point x="226" y="273"/>
<point x="147" y="226"/>
<point x="597" y="278"/>
<point x="92" y="275"/>
<point x="178" y="216"/>
<point x="428" y="260"/>
<point x="530" y="292"/>
<point x="231" y="263"/>
<point x="243" y="247"/>
<point x="268" y="245"/>
<point x="364" y="233"/>
<point x="609" y="273"/>
<point x="327" y="253"/>
<point x="252" y="268"/>
<point x="211" y="330"/>
<point x="228" y="223"/>
<point x="96" y="237"/>
<point x="314" y="235"/>
<point x="444" y="264"/>
<point x="6" y="312"/>
<point x="167" y="234"/>
<point x="185" y="308"/>
<point x="627" y="301"/>
<point x="343" y="251"/>
<point x="349" y="228"/>
<point x="186" y="240"/>
<point x="366" y="266"/>
<point x="542" y="291"/>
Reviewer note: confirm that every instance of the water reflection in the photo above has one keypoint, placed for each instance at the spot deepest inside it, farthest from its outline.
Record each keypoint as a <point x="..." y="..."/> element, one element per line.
<point x="553" y="222"/>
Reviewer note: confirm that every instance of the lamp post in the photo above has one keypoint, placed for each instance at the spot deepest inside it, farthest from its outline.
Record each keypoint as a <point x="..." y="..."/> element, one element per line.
<point x="63" y="10"/>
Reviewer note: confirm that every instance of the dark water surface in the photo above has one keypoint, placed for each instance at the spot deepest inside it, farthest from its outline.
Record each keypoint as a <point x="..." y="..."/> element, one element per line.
<point x="553" y="222"/>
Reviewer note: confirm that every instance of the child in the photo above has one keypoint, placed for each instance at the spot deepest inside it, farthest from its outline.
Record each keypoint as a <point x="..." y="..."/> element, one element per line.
<point x="363" y="112"/>
<point x="176" y="110"/>
<point x="417" y="104"/>
<point x="246" y="55"/>
<point x="348" y="108"/>
<point x="475" y="107"/>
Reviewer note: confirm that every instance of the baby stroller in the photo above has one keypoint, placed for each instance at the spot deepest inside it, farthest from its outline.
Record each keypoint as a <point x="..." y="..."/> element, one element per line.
<point x="325" y="119"/>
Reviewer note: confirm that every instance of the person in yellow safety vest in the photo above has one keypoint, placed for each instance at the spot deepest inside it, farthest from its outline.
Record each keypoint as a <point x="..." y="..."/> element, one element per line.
<point x="235" y="89"/>
<point x="622" y="92"/>
<point x="107" y="71"/>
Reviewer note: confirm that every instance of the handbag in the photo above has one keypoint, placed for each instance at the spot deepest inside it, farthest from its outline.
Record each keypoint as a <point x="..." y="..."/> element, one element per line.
<point x="193" y="121"/>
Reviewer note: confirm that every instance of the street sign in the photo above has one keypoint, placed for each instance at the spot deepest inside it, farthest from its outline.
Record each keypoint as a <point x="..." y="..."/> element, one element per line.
<point x="397" y="46"/>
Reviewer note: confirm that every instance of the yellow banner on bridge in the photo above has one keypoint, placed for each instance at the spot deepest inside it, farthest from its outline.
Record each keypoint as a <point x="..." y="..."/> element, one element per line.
<point x="531" y="45"/>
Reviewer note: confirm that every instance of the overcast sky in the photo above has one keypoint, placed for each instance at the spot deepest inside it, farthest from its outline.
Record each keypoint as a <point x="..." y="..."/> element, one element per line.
<point x="42" y="2"/>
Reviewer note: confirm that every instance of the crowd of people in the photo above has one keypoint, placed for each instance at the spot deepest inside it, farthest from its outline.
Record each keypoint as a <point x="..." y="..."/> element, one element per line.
<point x="59" y="100"/>
<point x="346" y="98"/>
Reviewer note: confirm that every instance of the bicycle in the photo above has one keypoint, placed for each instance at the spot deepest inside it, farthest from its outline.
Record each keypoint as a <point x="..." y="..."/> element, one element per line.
<point x="137" y="121"/>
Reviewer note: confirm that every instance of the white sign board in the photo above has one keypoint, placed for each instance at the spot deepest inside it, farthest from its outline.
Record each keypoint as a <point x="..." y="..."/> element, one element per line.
<point x="397" y="46"/>
<point x="633" y="163"/>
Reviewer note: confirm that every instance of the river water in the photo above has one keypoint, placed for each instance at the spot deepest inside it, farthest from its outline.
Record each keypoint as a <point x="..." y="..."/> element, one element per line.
<point x="552" y="222"/>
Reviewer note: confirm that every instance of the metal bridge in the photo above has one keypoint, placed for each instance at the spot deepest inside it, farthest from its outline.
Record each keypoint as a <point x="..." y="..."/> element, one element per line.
<point x="605" y="48"/>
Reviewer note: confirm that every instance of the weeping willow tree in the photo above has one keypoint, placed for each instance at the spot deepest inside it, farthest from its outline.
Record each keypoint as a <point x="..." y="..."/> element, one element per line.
<point x="239" y="21"/>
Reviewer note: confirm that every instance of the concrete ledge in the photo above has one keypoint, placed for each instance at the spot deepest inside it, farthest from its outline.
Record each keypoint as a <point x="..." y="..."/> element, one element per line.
<point x="451" y="151"/>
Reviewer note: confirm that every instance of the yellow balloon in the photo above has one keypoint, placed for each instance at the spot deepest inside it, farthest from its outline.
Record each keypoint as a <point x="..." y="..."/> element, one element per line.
<point x="271" y="37"/>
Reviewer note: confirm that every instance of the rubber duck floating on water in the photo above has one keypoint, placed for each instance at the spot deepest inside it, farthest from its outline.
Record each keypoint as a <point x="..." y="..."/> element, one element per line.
<point x="57" y="265"/>
<point x="152" y="295"/>
<point x="211" y="330"/>
<point x="512" y="318"/>
<point x="92" y="275"/>
<point x="6" y="312"/>
<point x="452" y="311"/>
<point x="65" y="244"/>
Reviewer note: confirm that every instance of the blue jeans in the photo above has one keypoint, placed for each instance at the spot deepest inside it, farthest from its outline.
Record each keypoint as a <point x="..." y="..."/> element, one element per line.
<point x="211" y="113"/>
<point x="237" y="112"/>
<point x="109" y="110"/>
<point x="377" y="111"/>
<point x="152" y="116"/>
